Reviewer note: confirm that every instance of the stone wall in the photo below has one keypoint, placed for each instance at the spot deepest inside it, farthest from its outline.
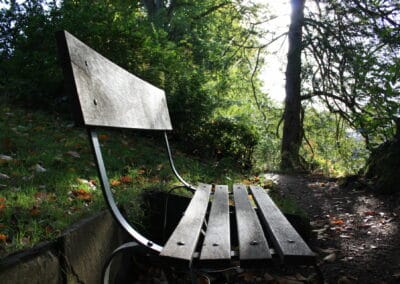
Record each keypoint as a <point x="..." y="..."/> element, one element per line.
<point x="75" y="257"/>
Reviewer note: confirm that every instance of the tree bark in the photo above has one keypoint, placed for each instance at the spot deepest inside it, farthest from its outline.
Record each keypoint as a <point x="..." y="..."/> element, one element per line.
<point x="292" y="127"/>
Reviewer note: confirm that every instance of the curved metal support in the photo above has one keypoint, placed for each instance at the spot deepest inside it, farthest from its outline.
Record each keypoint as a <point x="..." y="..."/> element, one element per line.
<point x="105" y="185"/>
<point x="107" y="265"/>
<point x="171" y="162"/>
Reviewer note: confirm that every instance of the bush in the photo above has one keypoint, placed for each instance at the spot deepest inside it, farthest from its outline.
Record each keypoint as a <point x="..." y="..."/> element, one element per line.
<point x="224" y="138"/>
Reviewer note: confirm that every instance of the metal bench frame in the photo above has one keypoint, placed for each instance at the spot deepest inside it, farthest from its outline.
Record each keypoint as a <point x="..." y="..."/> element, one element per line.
<point x="99" y="89"/>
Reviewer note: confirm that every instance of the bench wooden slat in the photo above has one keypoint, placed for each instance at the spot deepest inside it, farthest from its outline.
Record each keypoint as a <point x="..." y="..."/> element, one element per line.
<point x="253" y="245"/>
<point x="109" y="95"/>
<point x="183" y="241"/>
<point x="288" y="243"/>
<point x="217" y="242"/>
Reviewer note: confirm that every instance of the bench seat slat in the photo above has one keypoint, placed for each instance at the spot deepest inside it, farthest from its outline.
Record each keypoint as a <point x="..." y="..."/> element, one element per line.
<point x="217" y="242"/>
<point x="253" y="245"/>
<point x="183" y="241"/>
<point x="288" y="243"/>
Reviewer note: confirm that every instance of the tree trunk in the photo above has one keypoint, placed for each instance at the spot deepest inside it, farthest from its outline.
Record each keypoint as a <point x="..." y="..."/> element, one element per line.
<point x="292" y="127"/>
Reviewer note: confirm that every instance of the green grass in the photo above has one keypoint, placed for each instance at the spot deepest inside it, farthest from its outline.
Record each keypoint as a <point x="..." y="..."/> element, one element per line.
<point x="48" y="178"/>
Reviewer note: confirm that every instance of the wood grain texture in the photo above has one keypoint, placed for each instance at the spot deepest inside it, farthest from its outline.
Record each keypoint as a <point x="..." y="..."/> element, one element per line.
<point x="112" y="97"/>
<point x="287" y="242"/>
<point x="252" y="242"/>
<point x="183" y="241"/>
<point x="217" y="242"/>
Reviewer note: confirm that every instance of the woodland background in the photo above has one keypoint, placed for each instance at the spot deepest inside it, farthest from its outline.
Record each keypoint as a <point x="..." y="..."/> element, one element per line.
<point x="340" y="116"/>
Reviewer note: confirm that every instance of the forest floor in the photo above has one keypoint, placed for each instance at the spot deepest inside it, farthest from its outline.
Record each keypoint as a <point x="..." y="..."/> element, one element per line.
<point x="356" y="232"/>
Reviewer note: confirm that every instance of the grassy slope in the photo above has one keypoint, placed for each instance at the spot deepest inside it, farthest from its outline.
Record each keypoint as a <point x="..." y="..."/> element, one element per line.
<point x="48" y="179"/>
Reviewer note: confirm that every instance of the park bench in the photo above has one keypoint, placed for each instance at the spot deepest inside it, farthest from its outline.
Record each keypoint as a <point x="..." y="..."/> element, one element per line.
<point x="107" y="96"/>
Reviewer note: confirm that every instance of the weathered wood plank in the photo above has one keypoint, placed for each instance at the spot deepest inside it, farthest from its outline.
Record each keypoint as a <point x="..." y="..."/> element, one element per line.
<point x="287" y="242"/>
<point x="109" y="95"/>
<point x="183" y="241"/>
<point x="217" y="242"/>
<point x="253" y="245"/>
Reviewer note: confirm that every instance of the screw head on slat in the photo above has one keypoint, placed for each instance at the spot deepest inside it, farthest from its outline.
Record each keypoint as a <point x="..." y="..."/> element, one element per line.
<point x="95" y="102"/>
<point x="290" y="241"/>
<point x="253" y="243"/>
<point x="180" y="243"/>
<point x="150" y="244"/>
<point x="215" y="245"/>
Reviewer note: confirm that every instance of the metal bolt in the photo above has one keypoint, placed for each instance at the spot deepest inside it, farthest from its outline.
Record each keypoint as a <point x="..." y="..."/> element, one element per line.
<point x="95" y="102"/>
<point x="150" y="244"/>
<point x="180" y="243"/>
<point x="253" y="243"/>
<point x="290" y="241"/>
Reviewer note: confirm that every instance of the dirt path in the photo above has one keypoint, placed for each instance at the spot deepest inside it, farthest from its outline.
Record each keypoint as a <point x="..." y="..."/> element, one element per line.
<point x="356" y="233"/>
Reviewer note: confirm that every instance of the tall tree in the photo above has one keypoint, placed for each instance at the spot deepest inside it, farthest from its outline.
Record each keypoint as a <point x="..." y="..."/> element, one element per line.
<point x="292" y="127"/>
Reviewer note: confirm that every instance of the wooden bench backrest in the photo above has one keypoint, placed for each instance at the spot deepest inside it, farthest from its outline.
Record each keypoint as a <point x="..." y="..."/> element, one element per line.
<point x="105" y="94"/>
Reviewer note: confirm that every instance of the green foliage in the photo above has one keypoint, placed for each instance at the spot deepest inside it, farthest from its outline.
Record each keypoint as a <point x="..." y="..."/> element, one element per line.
<point x="226" y="137"/>
<point x="28" y="70"/>
<point x="183" y="48"/>
<point x="331" y="147"/>
<point x="355" y="65"/>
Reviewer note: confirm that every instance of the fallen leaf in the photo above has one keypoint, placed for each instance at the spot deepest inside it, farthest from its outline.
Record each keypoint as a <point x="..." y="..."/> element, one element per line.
<point x="3" y="237"/>
<point x="74" y="154"/>
<point x="4" y="176"/>
<point x="48" y="229"/>
<point x="39" y="169"/>
<point x="115" y="182"/>
<point x="343" y="236"/>
<point x="337" y="222"/>
<point x="40" y="195"/>
<point x="82" y="194"/>
<point x="34" y="211"/>
<point x="154" y="180"/>
<point x="330" y="257"/>
<point x="125" y="179"/>
<point x="2" y="204"/>
<point x="345" y="280"/>
<point x="328" y="250"/>
<point x="5" y="159"/>
<point x="103" y="137"/>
